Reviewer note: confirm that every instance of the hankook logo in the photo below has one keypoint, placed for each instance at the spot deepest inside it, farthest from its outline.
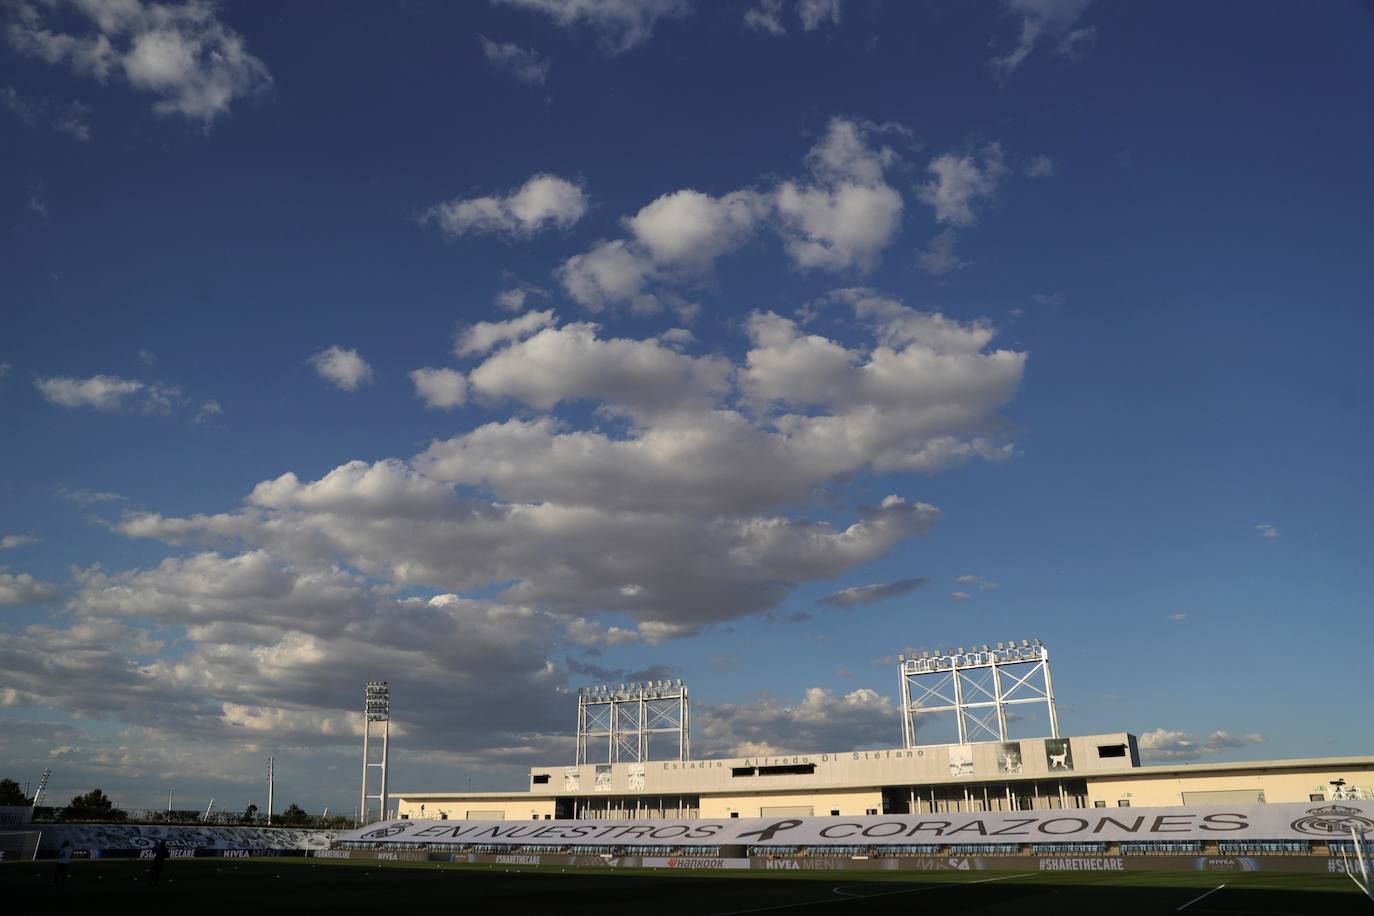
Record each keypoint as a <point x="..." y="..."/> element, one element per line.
<point x="383" y="832"/>
<point x="1333" y="820"/>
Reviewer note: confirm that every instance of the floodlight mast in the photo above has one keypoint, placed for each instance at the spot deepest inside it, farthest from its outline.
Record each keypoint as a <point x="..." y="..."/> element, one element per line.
<point x="626" y="717"/>
<point x="376" y="708"/>
<point x="977" y="686"/>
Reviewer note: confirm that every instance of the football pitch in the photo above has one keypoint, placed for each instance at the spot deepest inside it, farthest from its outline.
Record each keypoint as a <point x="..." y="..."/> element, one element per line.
<point x="297" y="885"/>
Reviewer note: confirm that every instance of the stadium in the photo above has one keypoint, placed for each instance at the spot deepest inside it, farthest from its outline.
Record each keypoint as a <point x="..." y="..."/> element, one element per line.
<point x="1024" y="814"/>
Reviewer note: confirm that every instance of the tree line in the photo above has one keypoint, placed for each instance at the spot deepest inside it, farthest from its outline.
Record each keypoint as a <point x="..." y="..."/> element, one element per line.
<point x="96" y="806"/>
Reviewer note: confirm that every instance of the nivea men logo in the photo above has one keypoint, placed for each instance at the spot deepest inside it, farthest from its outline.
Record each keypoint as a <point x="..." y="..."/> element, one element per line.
<point x="1332" y="820"/>
<point x="767" y="833"/>
<point x="383" y="832"/>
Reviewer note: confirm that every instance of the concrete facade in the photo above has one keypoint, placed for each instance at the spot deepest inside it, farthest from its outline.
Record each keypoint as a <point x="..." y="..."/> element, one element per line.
<point x="1098" y="770"/>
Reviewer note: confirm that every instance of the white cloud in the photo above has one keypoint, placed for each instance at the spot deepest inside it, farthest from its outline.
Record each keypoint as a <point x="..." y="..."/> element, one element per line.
<point x="1076" y="44"/>
<point x="1179" y="616"/>
<point x="815" y="13"/>
<point x="11" y="541"/>
<point x="182" y="53"/>
<point x="821" y="721"/>
<point x="765" y="16"/>
<point x="484" y="335"/>
<point x="960" y="183"/>
<point x="1040" y="167"/>
<point x="541" y="202"/>
<point x="110" y="393"/>
<point x="516" y="298"/>
<point x="959" y="596"/>
<point x="1040" y="19"/>
<point x="690" y="230"/>
<point x="1268" y="531"/>
<point x="868" y="594"/>
<point x="610" y="273"/>
<point x="38" y="203"/>
<point x="70" y="119"/>
<point x="619" y="24"/>
<point x="939" y="258"/>
<point x="559" y="365"/>
<point x="983" y="584"/>
<point x="1175" y="744"/>
<point x="22" y="588"/>
<point x="444" y="389"/>
<point x="207" y="411"/>
<point x="850" y="214"/>
<point x="524" y="64"/>
<point x="344" y="369"/>
<point x="88" y="498"/>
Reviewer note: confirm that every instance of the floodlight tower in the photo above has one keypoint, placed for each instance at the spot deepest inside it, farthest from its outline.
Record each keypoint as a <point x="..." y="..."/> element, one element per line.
<point x="977" y="686"/>
<point x="42" y="787"/>
<point x="628" y="716"/>
<point x="376" y="708"/>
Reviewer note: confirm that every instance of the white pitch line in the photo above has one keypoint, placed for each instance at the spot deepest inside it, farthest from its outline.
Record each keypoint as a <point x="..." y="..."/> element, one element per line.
<point x="851" y="897"/>
<point x="1196" y="899"/>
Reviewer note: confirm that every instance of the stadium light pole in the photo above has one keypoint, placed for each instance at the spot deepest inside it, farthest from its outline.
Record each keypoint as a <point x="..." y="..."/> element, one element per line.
<point x="270" y="783"/>
<point x="376" y="708"/>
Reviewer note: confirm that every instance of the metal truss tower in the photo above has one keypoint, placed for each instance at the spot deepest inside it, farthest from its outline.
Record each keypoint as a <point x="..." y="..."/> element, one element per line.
<point x="376" y="708"/>
<point x="978" y="686"/>
<point x="625" y="718"/>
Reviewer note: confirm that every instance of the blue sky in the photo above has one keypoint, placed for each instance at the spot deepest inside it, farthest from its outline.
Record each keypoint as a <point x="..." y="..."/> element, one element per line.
<point x="609" y="338"/>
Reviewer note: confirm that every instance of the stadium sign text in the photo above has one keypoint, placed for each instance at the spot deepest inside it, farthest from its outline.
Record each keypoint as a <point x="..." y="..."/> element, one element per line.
<point x="1270" y="822"/>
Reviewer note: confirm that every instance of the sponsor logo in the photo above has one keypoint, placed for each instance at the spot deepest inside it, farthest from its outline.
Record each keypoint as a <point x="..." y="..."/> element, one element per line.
<point x="388" y="856"/>
<point x="517" y="860"/>
<point x="692" y="862"/>
<point x="1082" y="863"/>
<point x="330" y="854"/>
<point x="235" y="854"/>
<point x="1226" y="863"/>
<point x="382" y="833"/>
<point x="1332" y="820"/>
<point x="786" y="864"/>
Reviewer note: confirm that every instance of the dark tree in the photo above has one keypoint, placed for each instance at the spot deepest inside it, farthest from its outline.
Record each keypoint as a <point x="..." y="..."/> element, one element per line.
<point x="11" y="794"/>
<point x="294" y="814"/>
<point x="250" y="813"/>
<point x="95" y="805"/>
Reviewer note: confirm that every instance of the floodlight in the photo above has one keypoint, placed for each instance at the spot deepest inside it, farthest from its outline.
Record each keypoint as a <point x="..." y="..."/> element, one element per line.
<point x="985" y="648"/>
<point x="1025" y="644"/>
<point x="961" y="651"/>
<point x="1038" y="642"/>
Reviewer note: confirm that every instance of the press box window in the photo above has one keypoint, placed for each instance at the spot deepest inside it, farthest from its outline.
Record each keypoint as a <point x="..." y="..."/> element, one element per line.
<point x="1124" y="803"/>
<point x="1099" y="804"/>
<point x="1111" y="750"/>
<point x="539" y="779"/>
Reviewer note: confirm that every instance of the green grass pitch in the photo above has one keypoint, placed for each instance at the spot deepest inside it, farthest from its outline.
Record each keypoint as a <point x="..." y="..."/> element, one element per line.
<point x="341" y="886"/>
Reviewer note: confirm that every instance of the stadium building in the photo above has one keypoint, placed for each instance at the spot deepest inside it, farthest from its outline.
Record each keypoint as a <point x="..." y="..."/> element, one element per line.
<point x="969" y="701"/>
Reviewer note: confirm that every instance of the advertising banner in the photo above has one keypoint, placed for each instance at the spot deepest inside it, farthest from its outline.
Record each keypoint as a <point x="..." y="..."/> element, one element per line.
<point x="1240" y="822"/>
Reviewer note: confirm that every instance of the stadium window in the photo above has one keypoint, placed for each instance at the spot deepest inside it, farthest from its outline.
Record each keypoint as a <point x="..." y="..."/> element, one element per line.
<point x="1124" y="803"/>
<point x="539" y="778"/>
<point x="734" y="814"/>
<point x="741" y="771"/>
<point x="834" y="812"/>
<point x="1316" y="796"/>
<point x="1099" y="804"/>
<point x="548" y="817"/>
<point x="795" y="769"/>
<point x="1111" y="750"/>
<point x="871" y="811"/>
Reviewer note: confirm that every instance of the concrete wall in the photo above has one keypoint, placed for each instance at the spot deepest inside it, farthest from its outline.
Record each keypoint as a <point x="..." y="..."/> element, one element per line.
<point x="1279" y="784"/>
<point x="455" y="806"/>
<point x="850" y="802"/>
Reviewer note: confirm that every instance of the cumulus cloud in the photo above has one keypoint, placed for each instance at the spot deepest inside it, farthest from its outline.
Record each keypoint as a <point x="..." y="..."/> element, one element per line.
<point x="765" y="16"/>
<point x="543" y="201"/>
<point x="815" y="13"/>
<point x="1042" y="20"/>
<point x="182" y="53"/>
<point x="619" y="25"/>
<point x="344" y="369"/>
<point x="1175" y="744"/>
<point x="690" y="230"/>
<point x="939" y="258"/>
<point x="108" y="393"/>
<point x="443" y="389"/>
<point x="11" y="541"/>
<point x="848" y="214"/>
<point x="484" y="335"/>
<point x="22" y="588"/>
<point x="979" y="581"/>
<point x="516" y="297"/>
<point x="523" y="64"/>
<point x="208" y="411"/>
<point x="960" y="184"/>
<point x="1268" y="531"/>
<point x="610" y="273"/>
<point x="868" y="594"/>
<point x="821" y="721"/>
<point x="87" y="498"/>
